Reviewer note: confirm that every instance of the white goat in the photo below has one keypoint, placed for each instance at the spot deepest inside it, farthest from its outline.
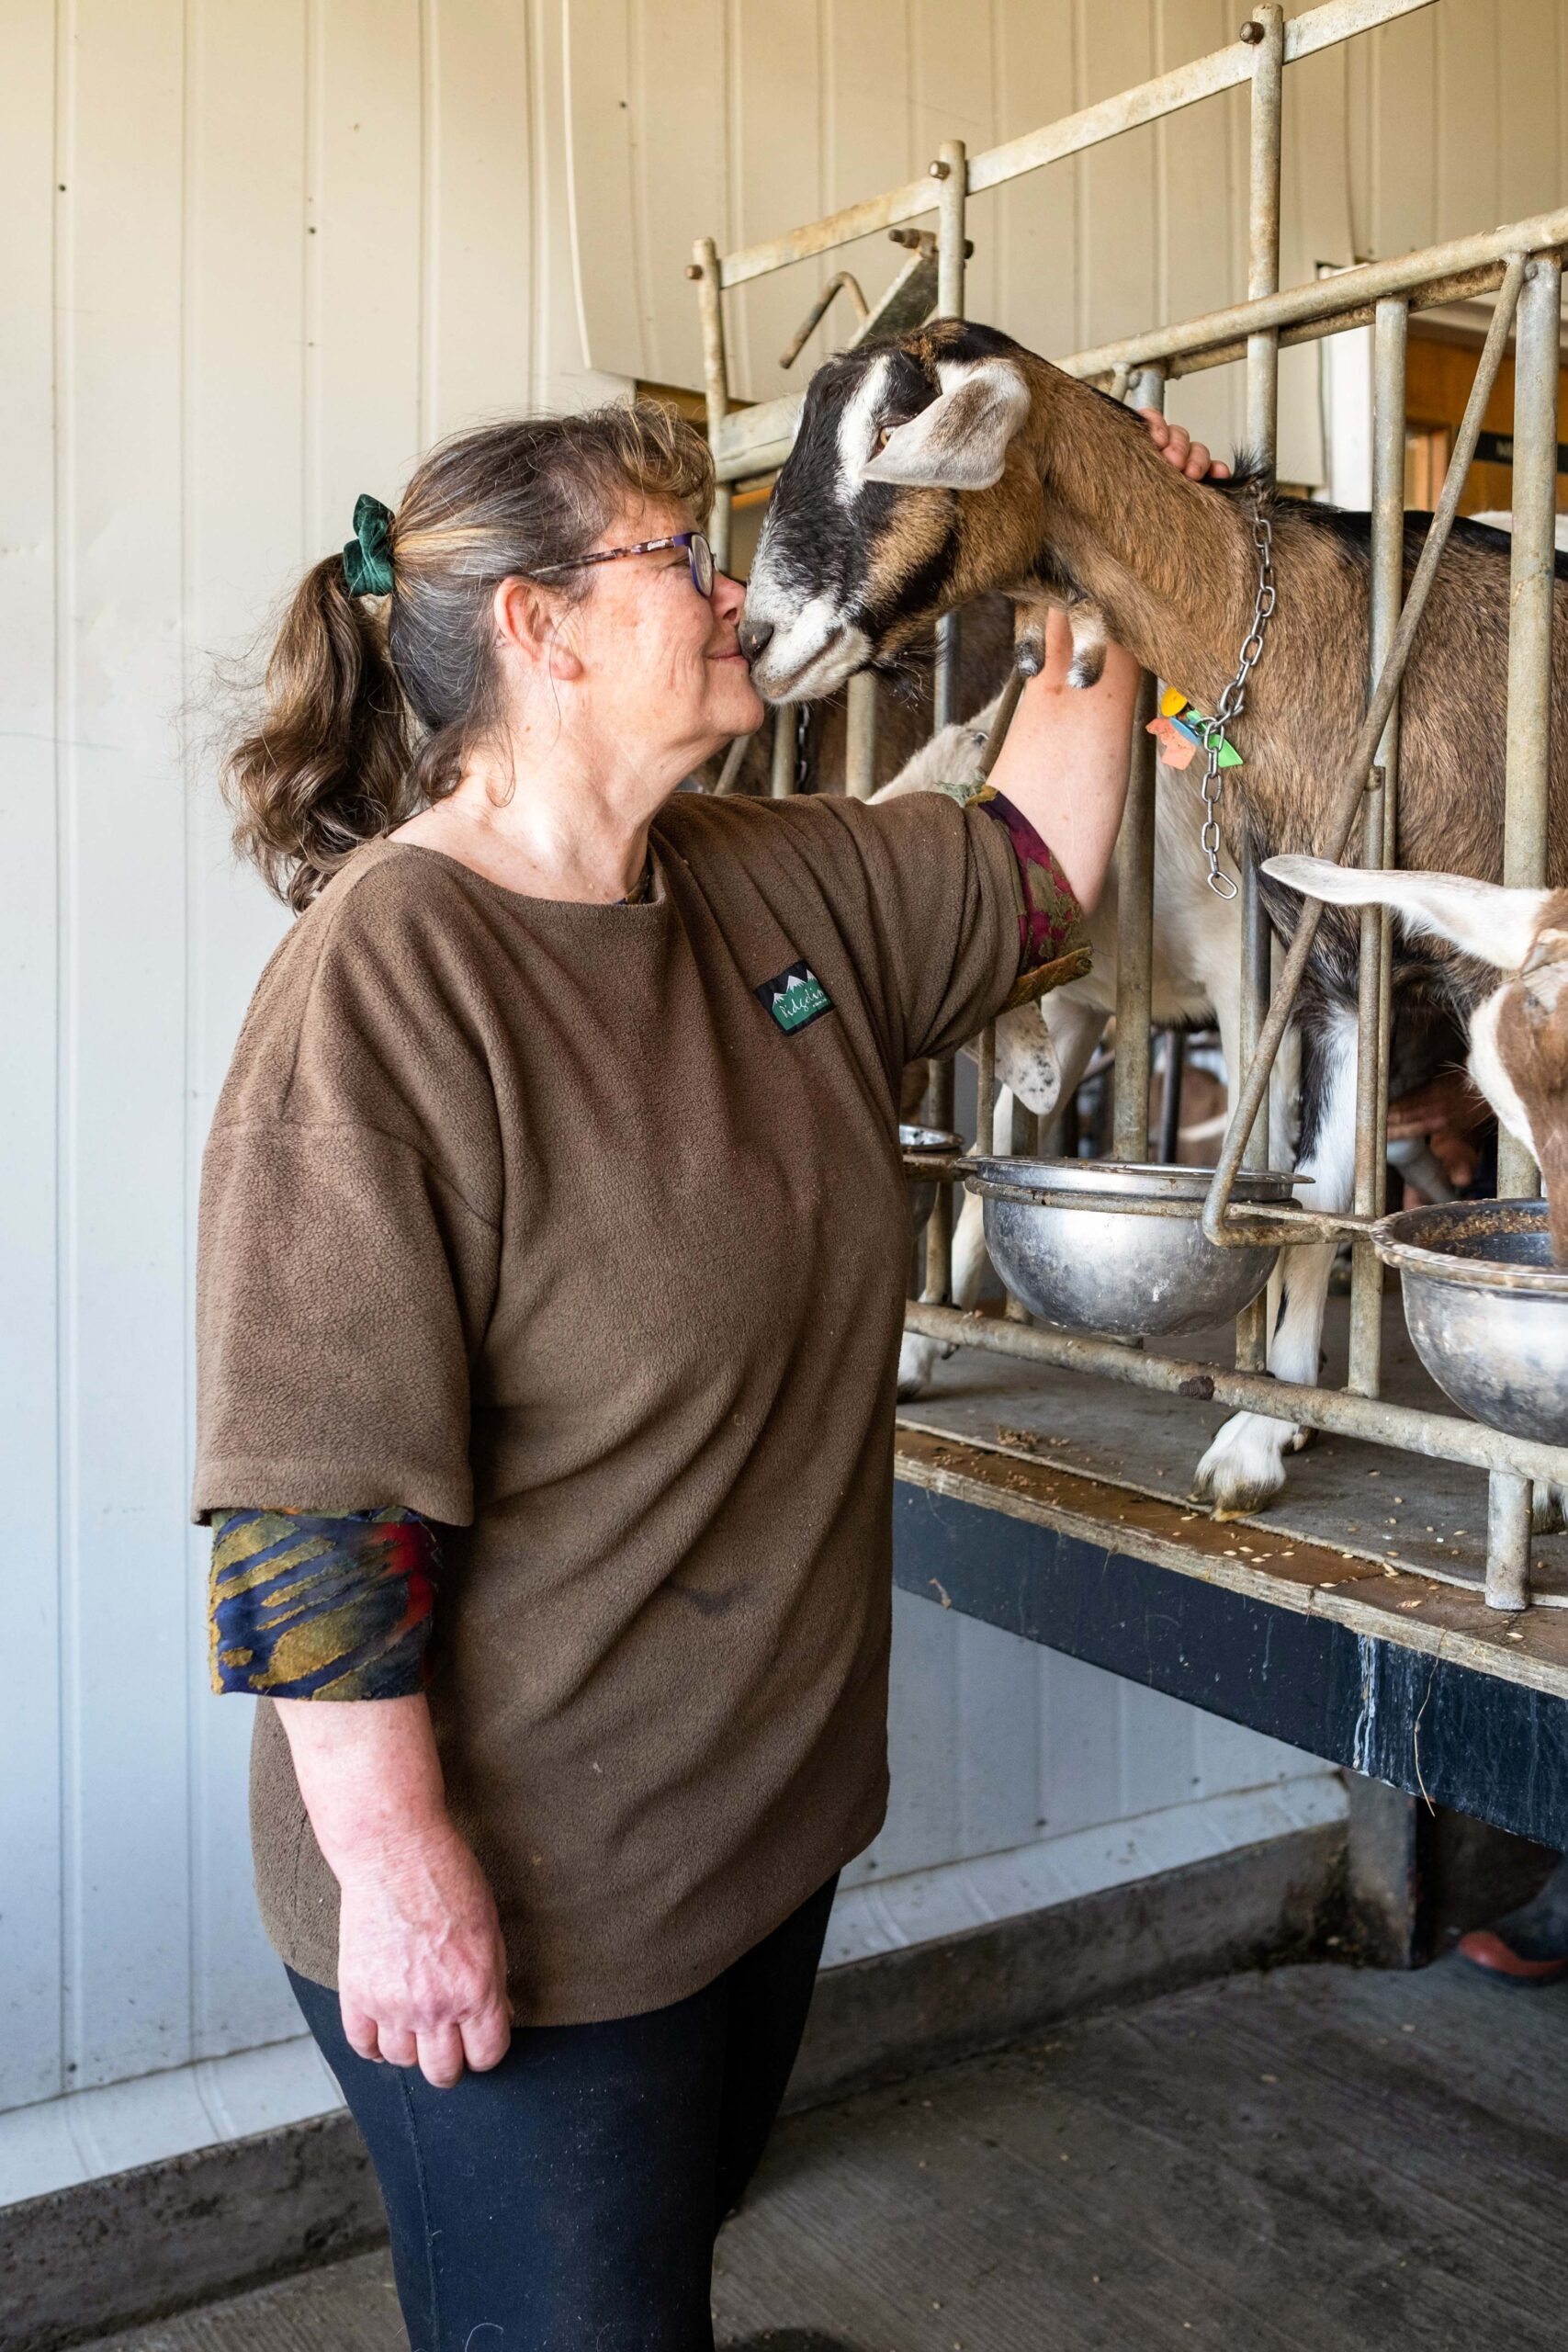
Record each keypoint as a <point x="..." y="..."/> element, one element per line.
<point x="1044" y="1049"/>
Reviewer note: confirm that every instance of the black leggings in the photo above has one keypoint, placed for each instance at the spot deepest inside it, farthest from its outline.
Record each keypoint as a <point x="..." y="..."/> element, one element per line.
<point x="570" y="2198"/>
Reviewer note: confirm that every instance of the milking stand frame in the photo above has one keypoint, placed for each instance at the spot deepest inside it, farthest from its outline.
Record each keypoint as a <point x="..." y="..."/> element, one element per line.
<point x="1522" y="263"/>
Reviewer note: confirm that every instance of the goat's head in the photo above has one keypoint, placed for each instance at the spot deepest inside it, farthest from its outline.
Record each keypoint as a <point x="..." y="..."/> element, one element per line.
<point x="1518" y="1035"/>
<point x="892" y="506"/>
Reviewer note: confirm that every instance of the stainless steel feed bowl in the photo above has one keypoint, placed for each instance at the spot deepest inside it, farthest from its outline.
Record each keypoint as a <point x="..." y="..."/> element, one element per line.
<point x="1486" y="1310"/>
<point x="1103" y="1245"/>
<point x="925" y="1152"/>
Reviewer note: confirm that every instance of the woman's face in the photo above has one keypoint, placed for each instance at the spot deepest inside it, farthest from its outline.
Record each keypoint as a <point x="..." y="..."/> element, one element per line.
<point x="661" y="661"/>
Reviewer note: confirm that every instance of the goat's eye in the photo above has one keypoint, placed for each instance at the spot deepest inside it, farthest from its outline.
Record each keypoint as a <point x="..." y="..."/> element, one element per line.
<point x="884" y="436"/>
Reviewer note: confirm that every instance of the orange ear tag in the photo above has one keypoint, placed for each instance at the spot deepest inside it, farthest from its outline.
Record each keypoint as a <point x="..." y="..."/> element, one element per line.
<point x="1177" y="750"/>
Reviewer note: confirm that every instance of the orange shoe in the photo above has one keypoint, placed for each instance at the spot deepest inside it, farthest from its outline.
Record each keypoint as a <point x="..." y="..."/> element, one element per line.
<point x="1528" y="1948"/>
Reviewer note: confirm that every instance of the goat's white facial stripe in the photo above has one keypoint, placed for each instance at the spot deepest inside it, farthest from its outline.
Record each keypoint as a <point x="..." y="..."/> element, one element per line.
<point x="1487" y="1068"/>
<point x="857" y="430"/>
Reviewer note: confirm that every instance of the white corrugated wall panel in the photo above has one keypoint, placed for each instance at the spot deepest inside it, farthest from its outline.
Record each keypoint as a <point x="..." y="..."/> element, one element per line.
<point x="248" y="259"/>
<point x="126" y="1630"/>
<point x="31" y="1793"/>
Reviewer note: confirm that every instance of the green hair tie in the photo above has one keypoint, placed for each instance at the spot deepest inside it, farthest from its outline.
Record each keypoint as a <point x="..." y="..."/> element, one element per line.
<point x="367" y="556"/>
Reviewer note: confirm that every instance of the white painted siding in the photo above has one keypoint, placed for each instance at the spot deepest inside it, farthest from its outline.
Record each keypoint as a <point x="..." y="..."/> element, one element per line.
<point x="259" y="253"/>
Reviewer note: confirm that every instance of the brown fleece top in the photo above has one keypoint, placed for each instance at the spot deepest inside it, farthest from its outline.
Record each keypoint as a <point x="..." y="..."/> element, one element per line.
<point x="580" y="1229"/>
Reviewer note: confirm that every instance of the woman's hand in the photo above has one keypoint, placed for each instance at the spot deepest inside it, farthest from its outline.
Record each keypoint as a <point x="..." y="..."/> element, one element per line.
<point x="1063" y="762"/>
<point x="1177" y="447"/>
<point x="421" y="1969"/>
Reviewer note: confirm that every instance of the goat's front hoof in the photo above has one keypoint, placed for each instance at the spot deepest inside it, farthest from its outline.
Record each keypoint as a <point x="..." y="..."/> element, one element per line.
<point x="1029" y="654"/>
<point x="918" y="1358"/>
<point x="1549" y="1509"/>
<point x="1243" y="1469"/>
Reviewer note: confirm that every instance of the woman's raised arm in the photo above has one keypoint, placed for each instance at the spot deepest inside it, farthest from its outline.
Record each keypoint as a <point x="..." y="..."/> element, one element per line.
<point x="1064" y="763"/>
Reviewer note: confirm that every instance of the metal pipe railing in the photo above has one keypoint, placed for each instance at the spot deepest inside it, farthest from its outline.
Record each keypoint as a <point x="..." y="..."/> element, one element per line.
<point x="1375" y="1000"/>
<point x="758" y="439"/>
<point x="860" y="735"/>
<point x="705" y="269"/>
<point x="1224" y="69"/>
<point x="950" y="172"/>
<point x="781" y="779"/>
<point x="1136" y="894"/>
<point x="1442" y="1436"/>
<point x="1532" y="581"/>
<point x="1266" y="34"/>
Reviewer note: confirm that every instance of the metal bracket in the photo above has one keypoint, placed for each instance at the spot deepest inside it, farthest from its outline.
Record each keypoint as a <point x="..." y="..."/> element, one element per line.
<point x="907" y="302"/>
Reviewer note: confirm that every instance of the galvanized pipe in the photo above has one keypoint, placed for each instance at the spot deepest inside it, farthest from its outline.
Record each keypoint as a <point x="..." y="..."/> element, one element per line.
<point x="758" y="440"/>
<point x="1136" y="893"/>
<point x="1508" y="1499"/>
<point x="951" y="175"/>
<point x="1255" y="1084"/>
<point x="937" y="1112"/>
<point x="1532" y="576"/>
<point x="1134" y="940"/>
<point x="986" y="1083"/>
<point x="1266" y="30"/>
<point x="950" y="172"/>
<point x="1224" y="69"/>
<point x="1263" y="226"/>
<point x="1256" y="971"/>
<point x="1347" y="297"/>
<point x="985" y="1091"/>
<point x="1444" y="1437"/>
<point x="1375" y="1000"/>
<point x="705" y="270"/>
<point x="859" y="735"/>
<point x="782" y="778"/>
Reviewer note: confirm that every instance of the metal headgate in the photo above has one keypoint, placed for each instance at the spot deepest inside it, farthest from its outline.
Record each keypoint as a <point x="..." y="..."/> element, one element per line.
<point x="1521" y="263"/>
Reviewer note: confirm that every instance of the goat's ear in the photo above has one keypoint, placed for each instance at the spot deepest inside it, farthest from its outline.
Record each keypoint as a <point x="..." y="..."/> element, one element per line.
<point x="1496" y="925"/>
<point x="960" y="442"/>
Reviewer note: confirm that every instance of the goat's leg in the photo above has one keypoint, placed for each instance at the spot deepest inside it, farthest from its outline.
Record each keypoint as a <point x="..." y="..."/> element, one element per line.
<point x="1244" y="1467"/>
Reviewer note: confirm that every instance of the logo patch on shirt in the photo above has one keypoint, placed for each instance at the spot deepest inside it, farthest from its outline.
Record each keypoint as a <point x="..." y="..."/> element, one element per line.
<point x="795" y="997"/>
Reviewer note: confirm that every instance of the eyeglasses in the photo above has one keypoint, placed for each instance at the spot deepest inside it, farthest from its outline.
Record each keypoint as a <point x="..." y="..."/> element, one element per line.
<point x="699" y="555"/>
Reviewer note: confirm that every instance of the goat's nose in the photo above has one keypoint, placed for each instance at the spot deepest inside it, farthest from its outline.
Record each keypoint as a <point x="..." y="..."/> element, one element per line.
<point x="754" y="637"/>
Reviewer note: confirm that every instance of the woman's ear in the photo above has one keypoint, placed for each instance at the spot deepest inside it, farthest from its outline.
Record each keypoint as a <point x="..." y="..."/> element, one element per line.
<point x="531" y="626"/>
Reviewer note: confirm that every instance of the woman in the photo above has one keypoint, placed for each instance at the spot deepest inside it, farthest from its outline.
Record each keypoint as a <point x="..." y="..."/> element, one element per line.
<point x="553" y="1202"/>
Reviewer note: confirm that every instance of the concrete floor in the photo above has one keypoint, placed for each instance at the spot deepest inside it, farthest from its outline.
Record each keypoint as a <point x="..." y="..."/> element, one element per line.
<point x="1314" y="2160"/>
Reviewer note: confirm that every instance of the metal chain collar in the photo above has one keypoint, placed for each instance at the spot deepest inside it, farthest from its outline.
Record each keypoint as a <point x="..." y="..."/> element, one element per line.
<point x="1232" y="702"/>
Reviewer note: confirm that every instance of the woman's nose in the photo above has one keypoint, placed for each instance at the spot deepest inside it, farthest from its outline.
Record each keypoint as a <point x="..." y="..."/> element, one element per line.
<point x="754" y="637"/>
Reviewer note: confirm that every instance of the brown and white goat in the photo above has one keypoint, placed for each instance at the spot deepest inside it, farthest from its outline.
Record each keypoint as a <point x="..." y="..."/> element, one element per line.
<point x="951" y="462"/>
<point x="1518" y="1034"/>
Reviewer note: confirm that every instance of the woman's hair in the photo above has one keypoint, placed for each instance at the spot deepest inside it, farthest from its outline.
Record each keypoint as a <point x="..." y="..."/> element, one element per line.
<point x="372" y="708"/>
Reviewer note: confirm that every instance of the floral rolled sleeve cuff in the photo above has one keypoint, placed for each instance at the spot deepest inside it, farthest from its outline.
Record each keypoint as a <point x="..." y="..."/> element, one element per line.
<point x="333" y="1605"/>
<point x="1050" y="909"/>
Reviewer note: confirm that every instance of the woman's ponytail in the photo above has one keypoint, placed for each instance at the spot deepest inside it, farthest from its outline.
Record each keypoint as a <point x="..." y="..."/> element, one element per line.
<point x="329" y="767"/>
<point x="384" y="682"/>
